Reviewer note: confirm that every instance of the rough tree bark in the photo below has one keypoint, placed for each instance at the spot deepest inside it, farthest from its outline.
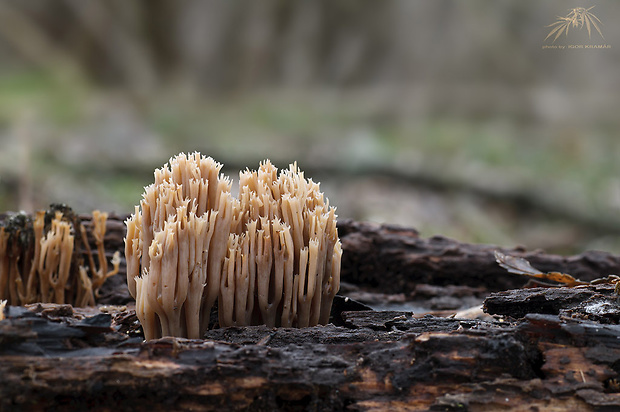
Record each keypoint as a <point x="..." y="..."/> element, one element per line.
<point x="393" y="259"/>
<point x="547" y="349"/>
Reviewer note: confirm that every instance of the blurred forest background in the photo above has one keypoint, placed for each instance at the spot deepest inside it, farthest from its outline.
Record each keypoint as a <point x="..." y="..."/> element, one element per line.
<point x="444" y="115"/>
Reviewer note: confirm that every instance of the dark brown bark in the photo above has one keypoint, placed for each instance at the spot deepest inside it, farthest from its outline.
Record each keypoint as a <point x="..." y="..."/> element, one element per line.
<point x="377" y="360"/>
<point x="551" y="349"/>
<point x="391" y="259"/>
<point x="595" y="303"/>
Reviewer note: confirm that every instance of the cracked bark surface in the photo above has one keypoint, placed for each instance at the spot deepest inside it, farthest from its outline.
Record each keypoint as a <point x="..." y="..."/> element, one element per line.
<point x="548" y="349"/>
<point x="53" y="356"/>
<point x="391" y="259"/>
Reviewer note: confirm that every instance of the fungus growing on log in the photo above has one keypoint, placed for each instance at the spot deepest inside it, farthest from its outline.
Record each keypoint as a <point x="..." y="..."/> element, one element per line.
<point x="270" y="256"/>
<point x="39" y="260"/>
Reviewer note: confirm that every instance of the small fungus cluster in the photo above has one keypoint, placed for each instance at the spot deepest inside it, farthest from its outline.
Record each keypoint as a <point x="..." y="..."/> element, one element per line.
<point x="39" y="261"/>
<point x="269" y="256"/>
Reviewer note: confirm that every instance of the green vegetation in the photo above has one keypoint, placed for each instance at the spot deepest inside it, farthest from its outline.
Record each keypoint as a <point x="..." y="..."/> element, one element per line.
<point x="571" y="171"/>
<point x="24" y="91"/>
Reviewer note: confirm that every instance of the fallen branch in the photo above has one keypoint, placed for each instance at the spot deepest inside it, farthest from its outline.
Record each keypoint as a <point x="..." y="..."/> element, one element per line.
<point x="51" y="356"/>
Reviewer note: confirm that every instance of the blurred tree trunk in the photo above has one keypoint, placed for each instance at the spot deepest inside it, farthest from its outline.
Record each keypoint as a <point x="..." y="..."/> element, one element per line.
<point x="114" y="30"/>
<point x="439" y="52"/>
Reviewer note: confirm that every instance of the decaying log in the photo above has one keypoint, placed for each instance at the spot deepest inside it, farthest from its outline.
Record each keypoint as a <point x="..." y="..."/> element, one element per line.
<point x="54" y="357"/>
<point x="547" y="349"/>
<point x="392" y="259"/>
<point x="395" y="259"/>
<point x="597" y="303"/>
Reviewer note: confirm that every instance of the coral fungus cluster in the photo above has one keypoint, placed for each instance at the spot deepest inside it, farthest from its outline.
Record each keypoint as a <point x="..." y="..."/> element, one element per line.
<point x="39" y="261"/>
<point x="269" y="256"/>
